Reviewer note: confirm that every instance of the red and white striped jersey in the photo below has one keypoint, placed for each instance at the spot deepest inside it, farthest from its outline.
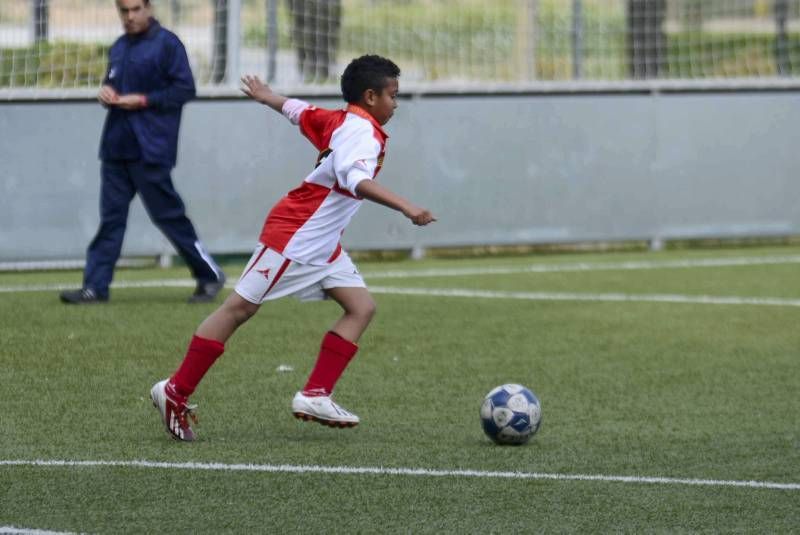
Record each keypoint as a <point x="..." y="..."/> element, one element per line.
<point x="306" y="225"/>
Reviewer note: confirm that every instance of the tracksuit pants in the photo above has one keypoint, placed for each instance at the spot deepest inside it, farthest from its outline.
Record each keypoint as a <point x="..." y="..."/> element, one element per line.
<point x="121" y="180"/>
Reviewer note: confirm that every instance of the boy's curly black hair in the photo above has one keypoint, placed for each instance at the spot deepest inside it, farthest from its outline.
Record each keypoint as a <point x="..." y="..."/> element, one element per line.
<point x="367" y="72"/>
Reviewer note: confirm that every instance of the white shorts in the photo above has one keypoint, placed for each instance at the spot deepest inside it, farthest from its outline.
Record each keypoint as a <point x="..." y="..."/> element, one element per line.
<point x="270" y="275"/>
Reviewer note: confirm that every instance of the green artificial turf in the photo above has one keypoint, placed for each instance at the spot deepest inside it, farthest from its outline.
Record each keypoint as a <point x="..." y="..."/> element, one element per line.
<point x="683" y="391"/>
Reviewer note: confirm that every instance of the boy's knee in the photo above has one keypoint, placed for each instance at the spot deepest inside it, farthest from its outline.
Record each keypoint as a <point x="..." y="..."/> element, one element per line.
<point x="369" y="308"/>
<point x="240" y="310"/>
<point x="247" y="311"/>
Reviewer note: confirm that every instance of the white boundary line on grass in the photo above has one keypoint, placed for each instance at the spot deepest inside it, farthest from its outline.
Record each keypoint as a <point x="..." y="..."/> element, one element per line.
<point x="486" y="270"/>
<point x="485" y="294"/>
<point x="569" y="296"/>
<point x="587" y="266"/>
<point x="56" y="286"/>
<point x="424" y="472"/>
<point x="534" y="296"/>
<point x="28" y="531"/>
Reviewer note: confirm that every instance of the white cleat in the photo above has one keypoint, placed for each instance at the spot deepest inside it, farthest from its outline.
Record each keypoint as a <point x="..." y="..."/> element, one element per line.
<point x="175" y="414"/>
<point x="322" y="409"/>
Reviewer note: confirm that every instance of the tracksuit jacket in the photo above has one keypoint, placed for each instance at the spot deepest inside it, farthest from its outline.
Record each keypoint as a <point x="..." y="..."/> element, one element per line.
<point x="154" y="64"/>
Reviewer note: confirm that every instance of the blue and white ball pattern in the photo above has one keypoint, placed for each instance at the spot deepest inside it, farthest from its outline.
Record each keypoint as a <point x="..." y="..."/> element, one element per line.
<point x="511" y="414"/>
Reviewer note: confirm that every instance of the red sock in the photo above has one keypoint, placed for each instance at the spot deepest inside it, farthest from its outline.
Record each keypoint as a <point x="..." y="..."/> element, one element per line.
<point x="334" y="355"/>
<point x="199" y="357"/>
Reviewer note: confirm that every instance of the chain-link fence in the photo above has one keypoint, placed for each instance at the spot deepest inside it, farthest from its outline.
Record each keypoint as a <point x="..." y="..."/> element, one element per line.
<point x="62" y="44"/>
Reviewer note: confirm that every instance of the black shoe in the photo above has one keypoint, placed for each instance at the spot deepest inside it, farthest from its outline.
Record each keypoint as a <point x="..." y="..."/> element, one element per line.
<point x="207" y="291"/>
<point x="84" y="296"/>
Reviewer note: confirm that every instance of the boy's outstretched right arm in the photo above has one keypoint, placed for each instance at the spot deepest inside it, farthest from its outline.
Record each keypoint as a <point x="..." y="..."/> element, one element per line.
<point x="261" y="92"/>
<point x="291" y="108"/>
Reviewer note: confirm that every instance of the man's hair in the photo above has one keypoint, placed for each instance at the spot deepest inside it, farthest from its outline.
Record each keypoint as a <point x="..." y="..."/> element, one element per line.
<point x="367" y="72"/>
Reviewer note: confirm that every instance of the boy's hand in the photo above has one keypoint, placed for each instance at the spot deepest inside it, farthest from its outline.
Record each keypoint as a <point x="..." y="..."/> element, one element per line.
<point x="369" y="189"/>
<point x="419" y="216"/>
<point x="261" y="92"/>
<point x="256" y="89"/>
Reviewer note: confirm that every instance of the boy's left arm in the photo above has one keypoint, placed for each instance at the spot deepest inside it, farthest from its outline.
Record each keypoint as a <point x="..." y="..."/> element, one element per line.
<point x="369" y="189"/>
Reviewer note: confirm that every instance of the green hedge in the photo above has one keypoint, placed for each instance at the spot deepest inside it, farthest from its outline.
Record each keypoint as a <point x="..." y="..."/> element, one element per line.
<point x="690" y="55"/>
<point x="735" y="55"/>
<point x="477" y="43"/>
<point x="473" y="47"/>
<point x="59" y="64"/>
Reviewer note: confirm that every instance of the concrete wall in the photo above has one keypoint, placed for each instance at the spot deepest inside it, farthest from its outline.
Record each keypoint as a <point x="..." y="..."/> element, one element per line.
<point x="495" y="169"/>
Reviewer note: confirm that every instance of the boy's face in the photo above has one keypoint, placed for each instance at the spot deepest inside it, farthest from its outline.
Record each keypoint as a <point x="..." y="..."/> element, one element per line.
<point x="382" y="105"/>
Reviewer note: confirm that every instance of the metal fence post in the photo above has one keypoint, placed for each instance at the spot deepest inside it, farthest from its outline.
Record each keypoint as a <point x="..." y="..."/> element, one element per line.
<point x="781" y="38"/>
<point x="234" y="39"/>
<point x="577" y="39"/>
<point x="40" y="19"/>
<point x="272" y="39"/>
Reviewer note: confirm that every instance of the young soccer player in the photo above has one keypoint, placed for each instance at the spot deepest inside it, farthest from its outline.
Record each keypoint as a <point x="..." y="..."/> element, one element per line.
<point x="299" y="252"/>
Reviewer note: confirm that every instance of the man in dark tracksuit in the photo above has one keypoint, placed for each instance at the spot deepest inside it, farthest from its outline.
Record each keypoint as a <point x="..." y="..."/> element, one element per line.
<point x="147" y="83"/>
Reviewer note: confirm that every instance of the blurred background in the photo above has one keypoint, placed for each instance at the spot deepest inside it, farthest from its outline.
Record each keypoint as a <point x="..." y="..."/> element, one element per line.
<point x="521" y="123"/>
<point x="62" y="43"/>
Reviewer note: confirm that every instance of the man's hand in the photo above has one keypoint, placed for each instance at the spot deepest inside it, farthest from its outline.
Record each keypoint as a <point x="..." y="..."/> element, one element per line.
<point x="134" y="101"/>
<point x="107" y="96"/>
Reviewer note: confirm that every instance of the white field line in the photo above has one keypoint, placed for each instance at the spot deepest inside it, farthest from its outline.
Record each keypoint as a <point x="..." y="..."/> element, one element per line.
<point x="485" y="270"/>
<point x="568" y="296"/>
<point x="152" y="283"/>
<point x="6" y="530"/>
<point x="587" y="266"/>
<point x="485" y="294"/>
<point x="381" y="471"/>
<point x="538" y="296"/>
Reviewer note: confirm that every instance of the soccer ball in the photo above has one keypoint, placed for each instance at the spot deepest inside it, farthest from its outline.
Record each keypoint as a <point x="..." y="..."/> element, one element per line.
<point x="511" y="414"/>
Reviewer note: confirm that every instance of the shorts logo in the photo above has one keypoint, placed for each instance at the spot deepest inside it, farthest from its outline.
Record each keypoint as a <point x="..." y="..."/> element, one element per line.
<point x="264" y="272"/>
